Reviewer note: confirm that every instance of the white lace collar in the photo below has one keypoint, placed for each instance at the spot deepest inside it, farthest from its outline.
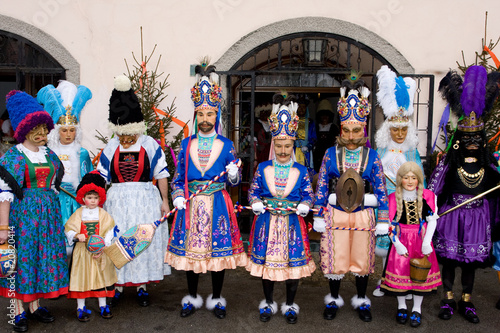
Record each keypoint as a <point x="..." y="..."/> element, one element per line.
<point x="34" y="156"/>
<point x="409" y="195"/>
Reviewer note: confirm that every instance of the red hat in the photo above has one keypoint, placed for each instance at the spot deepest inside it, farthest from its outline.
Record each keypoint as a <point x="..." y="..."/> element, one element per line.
<point x="92" y="181"/>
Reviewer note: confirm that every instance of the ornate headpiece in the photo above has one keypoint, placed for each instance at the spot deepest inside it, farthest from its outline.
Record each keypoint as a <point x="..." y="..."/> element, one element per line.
<point x="353" y="109"/>
<point x="471" y="98"/>
<point x="206" y="93"/>
<point x="64" y="103"/>
<point x="284" y="121"/>
<point x="395" y="95"/>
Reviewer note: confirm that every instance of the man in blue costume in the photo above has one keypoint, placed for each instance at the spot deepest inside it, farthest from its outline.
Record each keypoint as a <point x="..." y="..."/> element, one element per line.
<point x="205" y="234"/>
<point x="279" y="245"/>
<point x="344" y="251"/>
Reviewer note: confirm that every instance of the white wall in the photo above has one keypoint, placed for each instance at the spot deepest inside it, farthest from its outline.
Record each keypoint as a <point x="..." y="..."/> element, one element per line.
<point x="100" y="34"/>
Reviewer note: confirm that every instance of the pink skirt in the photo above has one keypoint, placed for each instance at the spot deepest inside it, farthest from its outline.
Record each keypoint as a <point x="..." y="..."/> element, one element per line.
<point x="396" y="277"/>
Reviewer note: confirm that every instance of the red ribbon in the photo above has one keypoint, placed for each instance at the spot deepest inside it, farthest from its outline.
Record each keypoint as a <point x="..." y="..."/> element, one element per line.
<point x="493" y="57"/>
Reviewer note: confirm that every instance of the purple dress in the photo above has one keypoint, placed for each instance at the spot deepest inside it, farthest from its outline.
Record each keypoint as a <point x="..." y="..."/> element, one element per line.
<point x="463" y="235"/>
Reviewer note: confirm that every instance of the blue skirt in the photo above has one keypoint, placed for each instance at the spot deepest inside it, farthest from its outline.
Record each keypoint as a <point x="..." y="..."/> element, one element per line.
<point x="42" y="271"/>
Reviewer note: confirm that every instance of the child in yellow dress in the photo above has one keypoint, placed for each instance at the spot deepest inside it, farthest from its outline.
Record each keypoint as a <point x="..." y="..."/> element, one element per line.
<point x="92" y="274"/>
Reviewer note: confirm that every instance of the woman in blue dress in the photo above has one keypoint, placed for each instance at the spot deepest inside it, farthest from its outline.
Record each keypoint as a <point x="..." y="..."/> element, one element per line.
<point x="30" y="211"/>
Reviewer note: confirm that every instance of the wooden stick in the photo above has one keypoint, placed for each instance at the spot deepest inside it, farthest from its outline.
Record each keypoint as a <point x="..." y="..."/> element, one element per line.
<point x="216" y="178"/>
<point x="239" y="207"/>
<point x="120" y="253"/>
<point x="392" y="181"/>
<point x="68" y="193"/>
<point x="470" y="200"/>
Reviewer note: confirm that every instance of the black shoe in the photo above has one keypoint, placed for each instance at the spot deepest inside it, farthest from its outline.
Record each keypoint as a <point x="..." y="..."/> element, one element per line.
<point x="187" y="309"/>
<point x="265" y="314"/>
<point x="113" y="301"/>
<point x="364" y="312"/>
<point x="402" y="316"/>
<point x="20" y="323"/>
<point x="447" y="307"/>
<point x="330" y="311"/>
<point x="43" y="315"/>
<point x="468" y="311"/>
<point x="106" y="312"/>
<point x="220" y="311"/>
<point x="498" y="305"/>
<point x="415" y="319"/>
<point x="142" y="297"/>
<point x="291" y="316"/>
<point x="83" y="315"/>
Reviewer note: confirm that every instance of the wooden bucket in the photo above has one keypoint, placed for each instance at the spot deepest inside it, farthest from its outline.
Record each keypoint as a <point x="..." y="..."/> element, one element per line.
<point x="419" y="269"/>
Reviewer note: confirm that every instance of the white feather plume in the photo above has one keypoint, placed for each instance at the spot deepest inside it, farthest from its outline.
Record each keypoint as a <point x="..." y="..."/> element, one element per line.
<point x="68" y="92"/>
<point x="386" y="95"/>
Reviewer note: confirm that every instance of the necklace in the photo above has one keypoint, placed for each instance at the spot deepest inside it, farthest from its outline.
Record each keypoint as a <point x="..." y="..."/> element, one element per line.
<point x="471" y="180"/>
<point x="281" y="172"/>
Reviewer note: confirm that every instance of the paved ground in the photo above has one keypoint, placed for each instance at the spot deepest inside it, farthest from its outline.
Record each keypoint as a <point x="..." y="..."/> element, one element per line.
<point x="244" y="293"/>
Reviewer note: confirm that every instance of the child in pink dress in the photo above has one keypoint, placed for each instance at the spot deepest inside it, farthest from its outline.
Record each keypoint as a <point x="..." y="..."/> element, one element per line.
<point x="413" y="211"/>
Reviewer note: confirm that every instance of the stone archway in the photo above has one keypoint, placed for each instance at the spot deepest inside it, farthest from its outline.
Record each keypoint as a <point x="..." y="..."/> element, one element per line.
<point x="46" y="42"/>
<point x="314" y="24"/>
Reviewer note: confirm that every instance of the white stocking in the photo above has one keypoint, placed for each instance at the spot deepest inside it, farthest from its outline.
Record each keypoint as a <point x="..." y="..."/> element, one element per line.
<point x="401" y="302"/>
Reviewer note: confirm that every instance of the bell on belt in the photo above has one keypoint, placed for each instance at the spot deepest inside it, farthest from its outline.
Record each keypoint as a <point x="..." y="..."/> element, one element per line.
<point x="350" y="190"/>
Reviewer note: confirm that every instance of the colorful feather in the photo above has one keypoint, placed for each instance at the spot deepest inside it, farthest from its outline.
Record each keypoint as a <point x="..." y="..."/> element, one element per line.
<point x="474" y="90"/>
<point x="492" y="90"/>
<point x="51" y="99"/>
<point x="395" y="92"/>
<point x="401" y="93"/>
<point x="83" y="95"/>
<point x="450" y="88"/>
<point x="68" y="92"/>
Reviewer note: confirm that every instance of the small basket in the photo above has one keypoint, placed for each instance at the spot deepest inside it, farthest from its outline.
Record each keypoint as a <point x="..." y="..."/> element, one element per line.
<point x="419" y="269"/>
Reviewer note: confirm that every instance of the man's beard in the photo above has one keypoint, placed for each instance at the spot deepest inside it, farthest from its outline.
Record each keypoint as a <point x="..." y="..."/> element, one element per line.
<point x="205" y="129"/>
<point x="341" y="142"/>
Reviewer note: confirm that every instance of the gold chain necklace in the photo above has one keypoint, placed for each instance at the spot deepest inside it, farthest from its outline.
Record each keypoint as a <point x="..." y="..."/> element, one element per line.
<point x="471" y="180"/>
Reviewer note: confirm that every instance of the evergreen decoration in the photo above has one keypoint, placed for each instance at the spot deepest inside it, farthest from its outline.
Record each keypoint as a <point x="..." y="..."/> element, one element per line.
<point x="492" y="118"/>
<point x="150" y="87"/>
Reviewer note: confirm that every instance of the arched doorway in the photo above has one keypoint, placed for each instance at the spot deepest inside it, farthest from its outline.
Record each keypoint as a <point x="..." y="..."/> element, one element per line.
<point x="31" y="59"/>
<point x="308" y="57"/>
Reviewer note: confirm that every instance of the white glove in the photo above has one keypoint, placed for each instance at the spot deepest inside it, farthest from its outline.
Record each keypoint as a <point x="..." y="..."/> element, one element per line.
<point x="332" y="199"/>
<point x="258" y="208"/>
<point x="232" y="170"/>
<point x="426" y="248"/>
<point x="370" y="200"/>
<point x="304" y="149"/>
<point x="302" y="210"/>
<point x="400" y="248"/>
<point x="319" y="224"/>
<point x="381" y="229"/>
<point x="180" y="203"/>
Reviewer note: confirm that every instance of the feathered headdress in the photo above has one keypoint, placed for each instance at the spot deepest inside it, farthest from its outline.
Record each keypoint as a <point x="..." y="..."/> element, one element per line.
<point x="64" y="103"/>
<point x="206" y="93"/>
<point x="352" y="108"/>
<point x="395" y="95"/>
<point x="284" y="121"/>
<point x="471" y="98"/>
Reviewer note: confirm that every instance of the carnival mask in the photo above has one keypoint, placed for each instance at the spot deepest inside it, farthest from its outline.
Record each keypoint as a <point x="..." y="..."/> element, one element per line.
<point x="38" y="135"/>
